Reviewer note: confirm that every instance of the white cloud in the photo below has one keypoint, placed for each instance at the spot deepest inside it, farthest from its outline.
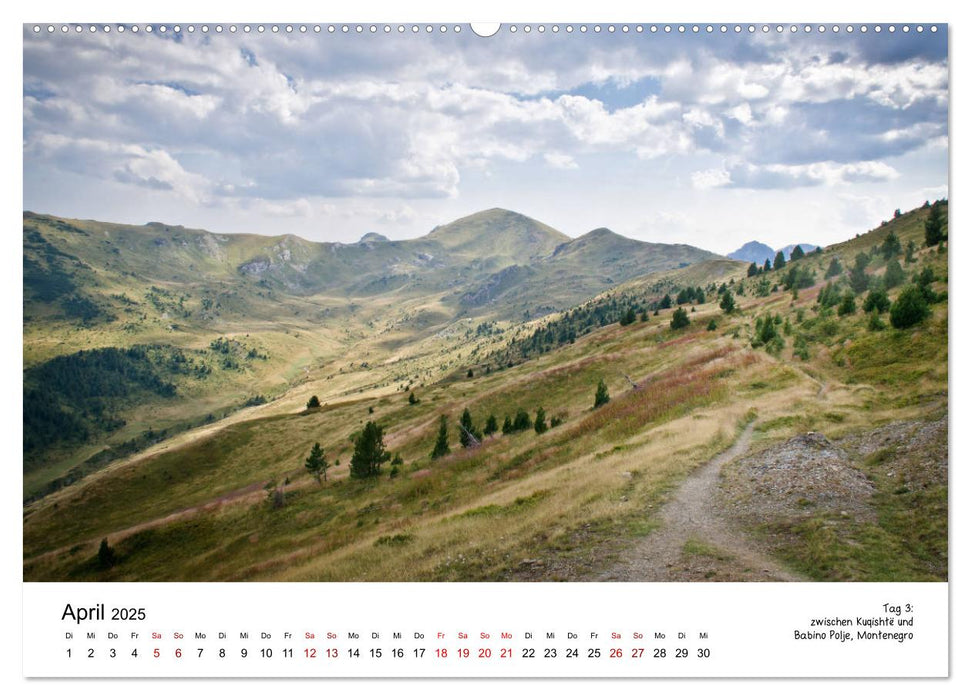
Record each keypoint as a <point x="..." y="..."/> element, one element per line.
<point x="789" y="176"/>
<point x="561" y="161"/>
<point x="151" y="168"/>
<point x="296" y="124"/>
<point x="709" y="179"/>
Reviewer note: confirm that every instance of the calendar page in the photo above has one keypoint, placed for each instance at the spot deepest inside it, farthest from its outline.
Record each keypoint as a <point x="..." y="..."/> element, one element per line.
<point x="530" y="349"/>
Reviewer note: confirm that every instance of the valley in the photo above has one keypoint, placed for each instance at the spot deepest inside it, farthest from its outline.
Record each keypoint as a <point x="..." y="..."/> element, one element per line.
<point x="168" y="372"/>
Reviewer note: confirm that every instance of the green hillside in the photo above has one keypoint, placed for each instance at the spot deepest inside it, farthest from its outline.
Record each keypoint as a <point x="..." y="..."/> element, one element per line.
<point x="794" y="357"/>
<point x="300" y="309"/>
<point x="499" y="237"/>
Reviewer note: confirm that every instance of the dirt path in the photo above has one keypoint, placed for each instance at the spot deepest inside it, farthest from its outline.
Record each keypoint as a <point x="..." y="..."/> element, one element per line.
<point x="696" y="543"/>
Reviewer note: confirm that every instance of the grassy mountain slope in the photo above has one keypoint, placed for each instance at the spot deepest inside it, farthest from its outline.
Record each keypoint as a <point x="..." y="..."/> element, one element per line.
<point x="300" y="308"/>
<point x="575" y="270"/>
<point x="498" y="235"/>
<point x="567" y="503"/>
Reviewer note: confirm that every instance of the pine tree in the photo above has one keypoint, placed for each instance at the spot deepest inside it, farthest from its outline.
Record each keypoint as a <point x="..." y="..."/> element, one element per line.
<point x="876" y="301"/>
<point x="797" y="254"/>
<point x="910" y="308"/>
<point x="909" y="254"/>
<point x="521" y="421"/>
<point x="924" y="281"/>
<point x="106" y="555"/>
<point x="768" y="266"/>
<point x="847" y="304"/>
<point x="753" y="270"/>
<point x="679" y="319"/>
<point x="666" y="302"/>
<point x="859" y="279"/>
<point x="765" y="331"/>
<point x="491" y="425"/>
<point x="834" y="268"/>
<point x="601" y="397"/>
<point x="540" y="424"/>
<point x="469" y="436"/>
<point x="369" y="453"/>
<point x="894" y="274"/>
<point x="506" y="426"/>
<point x="934" y="226"/>
<point x="828" y="296"/>
<point x="317" y="464"/>
<point x="441" y="443"/>
<point x="890" y="248"/>
<point x="629" y="317"/>
<point x="727" y="302"/>
<point x="780" y="261"/>
<point x="412" y="399"/>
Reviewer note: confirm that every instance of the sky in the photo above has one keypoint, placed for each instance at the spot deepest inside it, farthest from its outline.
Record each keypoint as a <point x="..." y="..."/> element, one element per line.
<point x="708" y="139"/>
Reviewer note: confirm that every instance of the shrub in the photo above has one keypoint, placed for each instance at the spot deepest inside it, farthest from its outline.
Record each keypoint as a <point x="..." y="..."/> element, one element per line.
<point x="828" y="296"/>
<point x="521" y="421"/>
<point x="847" y="305"/>
<point x="727" y="302"/>
<point x="934" y="232"/>
<point x="314" y="402"/>
<point x="767" y="335"/>
<point x="910" y="308"/>
<point x="800" y="348"/>
<point x="491" y="425"/>
<point x="893" y="275"/>
<point x="877" y="301"/>
<point x="859" y="279"/>
<point x="875" y="323"/>
<point x="679" y="319"/>
<point x="106" y="555"/>
<point x="540" y="425"/>
<point x="890" y="248"/>
<point x="441" y="442"/>
<point x="469" y="435"/>
<point x="602" y="396"/>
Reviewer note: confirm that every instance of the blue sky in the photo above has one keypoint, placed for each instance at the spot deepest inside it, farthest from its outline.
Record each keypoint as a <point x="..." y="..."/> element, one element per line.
<point x="712" y="140"/>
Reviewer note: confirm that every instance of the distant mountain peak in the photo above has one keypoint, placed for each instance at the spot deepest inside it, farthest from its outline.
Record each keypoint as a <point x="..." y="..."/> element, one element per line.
<point x="758" y="252"/>
<point x="601" y="232"/>
<point x="498" y="232"/>
<point x="753" y="251"/>
<point x="806" y="248"/>
<point x="373" y="237"/>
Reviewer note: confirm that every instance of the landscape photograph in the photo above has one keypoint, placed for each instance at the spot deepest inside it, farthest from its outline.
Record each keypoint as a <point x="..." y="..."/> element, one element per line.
<point x="588" y="302"/>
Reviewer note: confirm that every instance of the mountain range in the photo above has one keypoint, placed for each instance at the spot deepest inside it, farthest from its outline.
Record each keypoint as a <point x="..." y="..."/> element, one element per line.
<point x="495" y="261"/>
<point x="757" y="252"/>
<point x="175" y="382"/>
<point x="158" y="327"/>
